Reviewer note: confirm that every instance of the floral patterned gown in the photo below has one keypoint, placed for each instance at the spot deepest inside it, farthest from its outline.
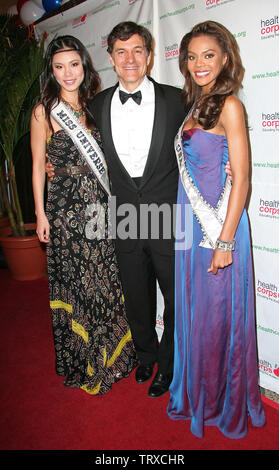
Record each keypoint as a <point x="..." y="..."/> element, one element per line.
<point x="92" y="339"/>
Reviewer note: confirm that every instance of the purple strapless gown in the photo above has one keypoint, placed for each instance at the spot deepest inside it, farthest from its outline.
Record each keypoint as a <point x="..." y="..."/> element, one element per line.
<point x="215" y="378"/>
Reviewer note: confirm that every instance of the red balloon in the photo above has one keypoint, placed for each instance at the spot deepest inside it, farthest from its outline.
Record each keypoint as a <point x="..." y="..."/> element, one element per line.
<point x="18" y="21"/>
<point x="19" y="5"/>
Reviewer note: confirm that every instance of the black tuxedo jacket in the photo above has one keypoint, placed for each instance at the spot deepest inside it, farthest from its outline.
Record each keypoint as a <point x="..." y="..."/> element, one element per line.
<point x="160" y="179"/>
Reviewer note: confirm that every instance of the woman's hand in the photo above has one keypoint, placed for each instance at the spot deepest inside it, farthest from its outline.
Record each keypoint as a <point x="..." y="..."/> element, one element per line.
<point x="42" y="229"/>
<point x="220" y="260"/>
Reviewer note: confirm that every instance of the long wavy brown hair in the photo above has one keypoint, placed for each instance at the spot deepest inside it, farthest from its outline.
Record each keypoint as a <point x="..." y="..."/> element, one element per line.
<point x="51" y="88"/>
<point x="228" y="82"/>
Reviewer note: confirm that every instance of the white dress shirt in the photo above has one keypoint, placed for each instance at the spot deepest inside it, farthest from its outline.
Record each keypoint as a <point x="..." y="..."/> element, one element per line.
<point x="132" y="126"/>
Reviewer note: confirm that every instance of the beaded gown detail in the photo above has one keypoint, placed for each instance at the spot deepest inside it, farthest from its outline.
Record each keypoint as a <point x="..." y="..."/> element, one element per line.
<point x="92" y="339"/>
<point x="215" y="379"/>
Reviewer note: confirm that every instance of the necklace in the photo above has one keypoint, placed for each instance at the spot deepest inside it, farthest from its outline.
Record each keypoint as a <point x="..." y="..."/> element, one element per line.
<point x="77" y="111"/>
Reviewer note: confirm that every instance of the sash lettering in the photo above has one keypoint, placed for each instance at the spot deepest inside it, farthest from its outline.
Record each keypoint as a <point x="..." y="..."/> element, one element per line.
<point x="210" y="219"/>
<point x="84" y="141"/>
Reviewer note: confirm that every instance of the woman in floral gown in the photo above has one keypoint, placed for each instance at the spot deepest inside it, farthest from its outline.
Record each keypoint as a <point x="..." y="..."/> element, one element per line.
<point x="92" y="339"/>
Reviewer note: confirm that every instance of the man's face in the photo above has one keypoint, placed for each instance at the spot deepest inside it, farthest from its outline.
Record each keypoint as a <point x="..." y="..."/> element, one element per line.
<point x="130" y="60"/>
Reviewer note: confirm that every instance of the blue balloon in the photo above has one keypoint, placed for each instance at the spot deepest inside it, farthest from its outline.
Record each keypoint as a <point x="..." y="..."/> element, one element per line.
<point x="51" y="4"/>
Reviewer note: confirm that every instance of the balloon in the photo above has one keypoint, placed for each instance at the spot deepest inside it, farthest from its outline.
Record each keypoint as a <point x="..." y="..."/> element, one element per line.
<point x="18" y="22"/>
<point x="12" y="10"/>
<point x="19" y="5"/>
<point x="30" y="12"/>
<point x="51" y="4"/>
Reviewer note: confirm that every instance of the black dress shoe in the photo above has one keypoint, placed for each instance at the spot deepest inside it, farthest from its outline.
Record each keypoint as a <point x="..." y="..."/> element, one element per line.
<point x="160" y="385"/>
<point x="144" y="373"/>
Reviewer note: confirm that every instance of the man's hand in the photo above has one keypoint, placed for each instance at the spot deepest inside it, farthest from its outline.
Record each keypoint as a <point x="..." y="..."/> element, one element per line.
<point x="49" y="169"/>
<point x="228" y="170"/>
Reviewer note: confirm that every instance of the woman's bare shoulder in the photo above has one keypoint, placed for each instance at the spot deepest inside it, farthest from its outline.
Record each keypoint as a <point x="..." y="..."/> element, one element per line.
<point x="39" y="112"/>
<point x="232" y="104"/>
<point x="232" y="111"/>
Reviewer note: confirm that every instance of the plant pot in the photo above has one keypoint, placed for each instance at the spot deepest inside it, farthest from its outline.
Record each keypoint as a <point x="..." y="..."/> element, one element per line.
<point x="25" y="256"/>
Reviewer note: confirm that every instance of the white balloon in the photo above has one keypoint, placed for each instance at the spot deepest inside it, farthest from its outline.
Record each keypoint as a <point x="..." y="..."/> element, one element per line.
<point x="12" y="10"/>
<point x="39" y="3"/>
<point x="30" y="12"/>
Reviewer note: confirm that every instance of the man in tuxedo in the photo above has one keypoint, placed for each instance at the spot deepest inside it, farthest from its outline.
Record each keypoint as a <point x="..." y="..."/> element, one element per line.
<point x="138" y="139"/>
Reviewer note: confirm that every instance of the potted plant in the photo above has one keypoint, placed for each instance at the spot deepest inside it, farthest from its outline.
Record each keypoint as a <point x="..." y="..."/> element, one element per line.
<point x="4" y="219"/>
<point x="20" y="69"/>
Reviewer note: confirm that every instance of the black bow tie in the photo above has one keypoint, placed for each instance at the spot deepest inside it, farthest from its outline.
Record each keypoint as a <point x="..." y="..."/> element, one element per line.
<point x="125" y="96"/>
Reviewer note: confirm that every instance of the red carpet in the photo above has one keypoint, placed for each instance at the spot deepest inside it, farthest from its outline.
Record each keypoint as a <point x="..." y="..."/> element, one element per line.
<point x="39" y="413"/>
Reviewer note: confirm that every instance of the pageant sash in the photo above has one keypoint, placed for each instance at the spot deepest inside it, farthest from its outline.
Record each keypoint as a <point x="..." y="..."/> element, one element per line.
<point x="210" y="219"/>
<point x="84" y="141"/>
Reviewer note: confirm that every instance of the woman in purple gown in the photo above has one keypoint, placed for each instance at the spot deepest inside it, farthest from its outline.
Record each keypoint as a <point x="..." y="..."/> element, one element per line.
<point x="215" y="378"/>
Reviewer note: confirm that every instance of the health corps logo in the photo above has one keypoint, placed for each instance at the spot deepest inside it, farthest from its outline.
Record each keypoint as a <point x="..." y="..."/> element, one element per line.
<point x="211" y="2"/>
<point x="270" y="27"/>
<point x="172" y="52"/>
<point x="267" y="290"/>
<point x="104" y="41"/>
<point x="159" y="321"/>
<point x="270" y="122"/>
<point x="79" y="21"/>
<point x="269" y="208"/>
<point x="214" y="3"/>
<point x="269" y="369"/>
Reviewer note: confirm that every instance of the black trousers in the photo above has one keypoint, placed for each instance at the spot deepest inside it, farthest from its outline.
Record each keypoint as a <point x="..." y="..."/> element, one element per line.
<point x="139" y="271"/>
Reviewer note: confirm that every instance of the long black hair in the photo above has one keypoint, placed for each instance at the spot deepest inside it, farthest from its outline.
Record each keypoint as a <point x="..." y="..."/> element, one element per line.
<point x="51" y="88"/>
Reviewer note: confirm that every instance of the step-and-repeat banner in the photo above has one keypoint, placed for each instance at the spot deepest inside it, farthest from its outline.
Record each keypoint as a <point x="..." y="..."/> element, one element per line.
<point x="255" y="24"/>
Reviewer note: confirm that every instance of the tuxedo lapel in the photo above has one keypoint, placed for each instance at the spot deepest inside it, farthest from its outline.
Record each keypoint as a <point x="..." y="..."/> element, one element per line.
<point x="109" y="148"/>
<point x="106" y="120"/>
<point x="158" y="132"/>
<point x="159" y="129"/>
